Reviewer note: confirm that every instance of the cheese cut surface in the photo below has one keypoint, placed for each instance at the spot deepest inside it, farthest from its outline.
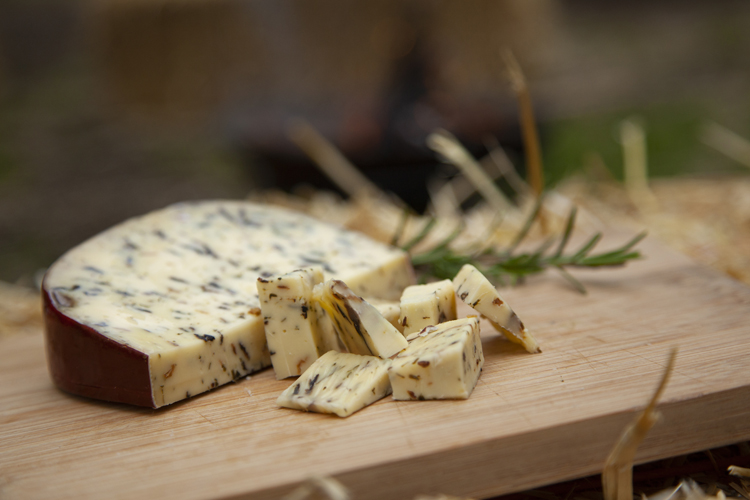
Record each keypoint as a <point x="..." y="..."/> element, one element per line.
<point x="389" y="309"/>
<point x="294" y="341"/>
<point x="165" y="306"/>
<point x="477" y="291"/>
<point x="441" y="362"/>
<point x="328" y="335"/>
<point x="425" y="305"/>
<point x="339" y="383"/>
<point x="360" y="326"/>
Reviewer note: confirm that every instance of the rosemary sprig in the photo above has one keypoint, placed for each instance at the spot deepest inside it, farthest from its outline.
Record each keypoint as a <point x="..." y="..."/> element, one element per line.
<point x="505" y="266"/>
<point x="568" y="231"/>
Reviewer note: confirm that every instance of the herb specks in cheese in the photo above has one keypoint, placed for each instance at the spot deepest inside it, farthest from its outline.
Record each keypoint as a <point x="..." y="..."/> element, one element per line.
<point x="293" y="336"/>
<point x="441" y="362"/>
<point x="164" y="283"/>
<point x="338" y="383"/>
<point x="360" y="326"/>
<point x="476" y="290"/>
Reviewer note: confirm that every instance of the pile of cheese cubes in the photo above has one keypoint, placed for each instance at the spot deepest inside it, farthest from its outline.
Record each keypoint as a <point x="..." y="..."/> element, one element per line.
<point x="350" y="352"/>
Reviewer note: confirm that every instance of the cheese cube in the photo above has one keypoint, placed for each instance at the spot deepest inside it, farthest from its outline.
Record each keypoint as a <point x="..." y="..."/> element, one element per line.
<point x="441" y="362"/>
<point x="390" y="310"/>
<point x="294" y="341"/>
<point x="361" y="328"/>
<point x="339" y="383"/>
<point x="328" y="335"/>
<point x="476" y="290"/>
<point x="425" y="305"/>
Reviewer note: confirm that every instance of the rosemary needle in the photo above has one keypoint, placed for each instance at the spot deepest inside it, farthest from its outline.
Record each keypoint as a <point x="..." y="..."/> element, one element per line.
<point x="504" y="265"/>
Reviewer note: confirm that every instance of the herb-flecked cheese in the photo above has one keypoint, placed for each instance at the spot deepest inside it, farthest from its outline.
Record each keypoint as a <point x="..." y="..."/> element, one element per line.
<point x="441" y="362"/>
<point x="178" y="287"/>
<point x="389" y="309"/>
<point x="328" y="335"/>
<point x="477" y="291"/>
<point x="360" y="326"/>
<point x="294" y="341"/>
<point x="339" y="383"/>
<point x="425" y="305"/>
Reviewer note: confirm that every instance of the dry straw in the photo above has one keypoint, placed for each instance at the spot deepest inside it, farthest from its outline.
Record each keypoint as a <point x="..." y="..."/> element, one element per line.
<point x="328" y="487"/>
<point x="617" y="477"/>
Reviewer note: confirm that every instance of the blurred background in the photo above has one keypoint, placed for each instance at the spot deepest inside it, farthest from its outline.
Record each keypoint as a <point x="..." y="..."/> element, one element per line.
<point x="112" y="108"/>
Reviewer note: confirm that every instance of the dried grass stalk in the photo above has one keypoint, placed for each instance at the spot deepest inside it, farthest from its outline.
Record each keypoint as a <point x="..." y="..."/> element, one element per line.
<point x="446" y="145"/>
<point x="727" y="142"/>
<point x="463" y="188"/>
<point x="744" y="475"/>
<point x="20" y="310"/>
<point x="496" y="165"/>
<point x="741" y="490"/>
<point x="504" y="166"/>
<point x="739" y="471"/>
<point x="329" y="487"/>
<point x="689" y="490"/>
<point x="444" y="201"/>
<point x="534" y="169"/>
<point x="617" y="476"/>
<point x="633" y="139"/>
<point x="330" y="160"/>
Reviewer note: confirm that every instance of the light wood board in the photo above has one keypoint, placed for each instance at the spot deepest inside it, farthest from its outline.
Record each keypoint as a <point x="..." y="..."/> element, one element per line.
<point x="532" y="419"/>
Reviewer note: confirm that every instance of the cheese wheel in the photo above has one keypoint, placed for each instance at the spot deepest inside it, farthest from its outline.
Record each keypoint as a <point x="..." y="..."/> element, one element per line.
<point x="164" y="306"/>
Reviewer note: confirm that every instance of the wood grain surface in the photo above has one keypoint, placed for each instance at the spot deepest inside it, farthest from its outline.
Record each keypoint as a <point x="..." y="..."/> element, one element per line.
<point x="532" y="419"/>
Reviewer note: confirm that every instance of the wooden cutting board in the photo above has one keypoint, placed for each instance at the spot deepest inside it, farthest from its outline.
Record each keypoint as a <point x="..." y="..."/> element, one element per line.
<point x="532" y="419"/>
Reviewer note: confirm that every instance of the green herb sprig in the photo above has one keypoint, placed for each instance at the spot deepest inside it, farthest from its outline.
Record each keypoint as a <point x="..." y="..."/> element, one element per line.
<point x="506" y="266"/>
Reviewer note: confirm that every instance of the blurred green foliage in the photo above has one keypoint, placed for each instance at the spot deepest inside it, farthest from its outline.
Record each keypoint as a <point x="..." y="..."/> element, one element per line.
<point x="672" y="142"/>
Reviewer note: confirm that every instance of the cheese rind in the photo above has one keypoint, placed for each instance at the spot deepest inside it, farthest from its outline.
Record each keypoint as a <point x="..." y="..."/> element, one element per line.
<point x="425" y="305"/>
<point x="477" y="291"/>
<point x="294" y="341"/>
<point x="175" y="289"/>
<point x="339" y="383"/>
<point x="441" y="362"/>
<point x="361" y="328"/>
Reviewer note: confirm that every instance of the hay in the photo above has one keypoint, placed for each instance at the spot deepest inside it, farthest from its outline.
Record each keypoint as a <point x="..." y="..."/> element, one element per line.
<point x="707" y="219"/>
<point x="20" y="310"/>
<point x="617" y="477"/>
<point x="317" y="487"/>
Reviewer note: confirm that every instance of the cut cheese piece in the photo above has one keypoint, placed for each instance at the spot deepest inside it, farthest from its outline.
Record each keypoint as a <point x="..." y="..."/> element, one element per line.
<point x="294" y="341"/>
<point x="361" y="328"/>
<point x="389" y="309"/>
<point x="477" y="291"/>
<point x="339" y="383"/>
<point x="441" y="362"/>
<point x="328" y="335"/>
<point x="425" y="305"/>
<point x="165" y="306"/>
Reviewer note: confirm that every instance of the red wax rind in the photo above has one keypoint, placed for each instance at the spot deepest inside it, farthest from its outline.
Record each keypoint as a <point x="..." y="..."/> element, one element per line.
<point x="82" y="361"/>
